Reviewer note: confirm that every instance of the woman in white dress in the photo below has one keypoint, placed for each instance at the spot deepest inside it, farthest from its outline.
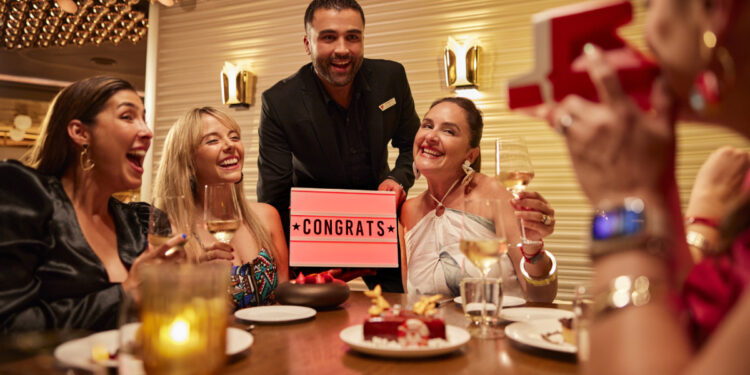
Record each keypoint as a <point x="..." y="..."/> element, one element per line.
<point x="446" y="153"/>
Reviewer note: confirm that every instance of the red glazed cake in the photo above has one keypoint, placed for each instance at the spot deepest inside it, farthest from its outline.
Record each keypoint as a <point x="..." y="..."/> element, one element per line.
<point x="419" y="327"/>
<point x="387" y="325"/>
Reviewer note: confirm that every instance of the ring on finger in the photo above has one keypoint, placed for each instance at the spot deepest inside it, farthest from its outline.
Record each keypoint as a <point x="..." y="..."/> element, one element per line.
<point x="546" y="220"/>
<point x="564" y="122"/>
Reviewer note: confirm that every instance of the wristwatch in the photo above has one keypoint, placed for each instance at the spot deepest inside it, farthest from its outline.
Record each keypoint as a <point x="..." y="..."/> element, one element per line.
<point x="628" y="226"/>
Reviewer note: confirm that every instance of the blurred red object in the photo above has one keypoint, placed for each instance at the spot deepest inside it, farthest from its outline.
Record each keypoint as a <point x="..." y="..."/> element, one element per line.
<point x="560" y="35"/>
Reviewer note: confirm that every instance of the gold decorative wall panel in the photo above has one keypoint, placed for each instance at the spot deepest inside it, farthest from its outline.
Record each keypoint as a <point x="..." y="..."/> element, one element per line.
<point x="195" y="38"/>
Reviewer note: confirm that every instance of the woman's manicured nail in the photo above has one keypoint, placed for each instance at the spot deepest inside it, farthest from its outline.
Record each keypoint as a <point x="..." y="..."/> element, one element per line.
<point x="184" y="236"/>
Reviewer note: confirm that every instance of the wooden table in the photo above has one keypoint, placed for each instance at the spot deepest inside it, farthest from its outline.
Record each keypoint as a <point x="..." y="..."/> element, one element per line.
<point x="314" y="347"/>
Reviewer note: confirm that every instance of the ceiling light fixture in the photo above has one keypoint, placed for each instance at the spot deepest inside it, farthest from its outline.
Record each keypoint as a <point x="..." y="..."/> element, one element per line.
<point x="49" y="23"/>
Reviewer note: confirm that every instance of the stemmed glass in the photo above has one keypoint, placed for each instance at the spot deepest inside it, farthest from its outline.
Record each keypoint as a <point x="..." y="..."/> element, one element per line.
<point x="513" y="167"/>
<point x="221" y="212"/>
<point x="483" y="247"/>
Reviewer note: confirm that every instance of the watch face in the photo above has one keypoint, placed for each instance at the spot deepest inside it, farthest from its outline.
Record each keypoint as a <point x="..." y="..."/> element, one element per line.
<point x="616" y="223"/>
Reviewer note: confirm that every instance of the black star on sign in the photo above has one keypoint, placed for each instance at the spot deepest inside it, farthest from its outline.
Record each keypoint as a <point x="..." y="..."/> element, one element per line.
<point x="295" y="226"/>
<point x="390" y="228"/>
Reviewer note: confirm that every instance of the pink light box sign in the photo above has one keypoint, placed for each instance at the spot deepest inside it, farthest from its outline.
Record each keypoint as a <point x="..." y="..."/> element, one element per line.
<point x="343" y="228"/>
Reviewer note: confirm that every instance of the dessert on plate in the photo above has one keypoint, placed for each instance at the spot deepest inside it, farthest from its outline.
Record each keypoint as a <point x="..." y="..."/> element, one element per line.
<point x="419" y="327"/>
<point x="566" y="334"/>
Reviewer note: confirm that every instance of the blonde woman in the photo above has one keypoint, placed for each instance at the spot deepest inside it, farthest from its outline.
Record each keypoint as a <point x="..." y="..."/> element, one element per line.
<point x="204" y="147"/>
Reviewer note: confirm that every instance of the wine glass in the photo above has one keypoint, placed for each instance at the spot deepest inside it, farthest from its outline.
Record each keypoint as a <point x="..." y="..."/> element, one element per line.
<point x="162" y="227"/>
<point x="483" y="246"/>
<point x="513" y="167"/>
<point x="221" y="212"/>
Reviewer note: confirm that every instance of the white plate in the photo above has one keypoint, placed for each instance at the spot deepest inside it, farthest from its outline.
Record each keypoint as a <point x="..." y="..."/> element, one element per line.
<point x="275" y="314"/>
<point x="525" y="314"/>
<point x="354" y="337"/>
<point x="508" y="301"/>
<point x="77" y="353"/>
<point x="530" y="333"/>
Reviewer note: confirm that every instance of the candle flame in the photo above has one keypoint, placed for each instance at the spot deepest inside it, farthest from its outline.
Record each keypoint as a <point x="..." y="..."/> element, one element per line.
<point x="179" y="331"/>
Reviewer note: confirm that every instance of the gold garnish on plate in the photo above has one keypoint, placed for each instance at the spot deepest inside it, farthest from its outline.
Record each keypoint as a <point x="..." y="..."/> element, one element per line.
<point x="426" y="305"/>
<point x="379" y="304"/>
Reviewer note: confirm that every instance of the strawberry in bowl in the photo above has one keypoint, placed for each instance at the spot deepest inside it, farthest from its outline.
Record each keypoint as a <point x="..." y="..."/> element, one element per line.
<point x="320" y="290"/>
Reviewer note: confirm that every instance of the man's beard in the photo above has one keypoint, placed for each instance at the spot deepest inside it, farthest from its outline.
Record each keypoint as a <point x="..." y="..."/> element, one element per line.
<point x="324" y="69"/>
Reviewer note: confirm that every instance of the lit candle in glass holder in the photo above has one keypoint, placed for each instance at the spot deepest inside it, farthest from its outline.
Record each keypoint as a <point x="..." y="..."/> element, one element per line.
<point x="184" y="315"/>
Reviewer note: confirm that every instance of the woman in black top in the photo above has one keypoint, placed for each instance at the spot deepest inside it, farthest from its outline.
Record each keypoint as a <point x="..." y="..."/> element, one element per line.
<point x="68" y="250"/>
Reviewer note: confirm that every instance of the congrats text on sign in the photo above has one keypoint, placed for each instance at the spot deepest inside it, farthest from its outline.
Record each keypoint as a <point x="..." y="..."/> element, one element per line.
<point x="342" y="228"/>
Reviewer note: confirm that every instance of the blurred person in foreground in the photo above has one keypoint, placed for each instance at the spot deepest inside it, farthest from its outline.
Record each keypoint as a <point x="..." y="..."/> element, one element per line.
<point x="69" y="251"/>
<point x="446" y="153"/>
<point x="204" y="147"/>
<point x="625" y="161"/>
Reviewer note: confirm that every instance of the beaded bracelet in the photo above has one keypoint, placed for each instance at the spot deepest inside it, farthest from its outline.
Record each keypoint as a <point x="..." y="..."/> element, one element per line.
<point x="533" y="259"/>
<point x="543" y="281"/>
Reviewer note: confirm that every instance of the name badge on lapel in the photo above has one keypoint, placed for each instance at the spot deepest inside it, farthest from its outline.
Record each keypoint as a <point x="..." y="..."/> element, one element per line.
<point x="388" y="104"/>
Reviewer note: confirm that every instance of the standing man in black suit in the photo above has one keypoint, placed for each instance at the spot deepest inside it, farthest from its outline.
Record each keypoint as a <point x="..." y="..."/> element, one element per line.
<point x="328" y="125"/>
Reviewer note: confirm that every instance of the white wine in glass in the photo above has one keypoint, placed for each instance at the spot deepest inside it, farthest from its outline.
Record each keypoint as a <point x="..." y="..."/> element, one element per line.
<point x="483" y="247"/>
<point x="483" y="253"/>
<point x="513" y="166"/>
<point x="221" y="212"/>
<point x="515" y="181"/>
<point x="223" y="230"/>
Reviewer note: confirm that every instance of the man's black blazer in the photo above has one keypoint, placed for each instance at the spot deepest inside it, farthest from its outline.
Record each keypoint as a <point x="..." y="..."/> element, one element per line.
<point x="297" y="136"/>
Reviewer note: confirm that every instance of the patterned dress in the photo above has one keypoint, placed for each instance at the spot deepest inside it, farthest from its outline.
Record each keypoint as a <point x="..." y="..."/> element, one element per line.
<point x="253" y="283"/>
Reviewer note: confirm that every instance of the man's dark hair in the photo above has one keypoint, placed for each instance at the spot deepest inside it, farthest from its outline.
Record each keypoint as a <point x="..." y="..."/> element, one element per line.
<point x="338" y="5"/>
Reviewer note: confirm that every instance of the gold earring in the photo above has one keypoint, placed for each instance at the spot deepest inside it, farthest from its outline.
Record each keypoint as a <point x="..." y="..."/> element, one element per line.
<point x="86" y="163"/>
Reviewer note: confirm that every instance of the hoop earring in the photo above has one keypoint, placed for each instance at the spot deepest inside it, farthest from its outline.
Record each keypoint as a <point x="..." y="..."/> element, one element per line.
<point x="706" y="92"/>
<point x="466" y="167"/>
<point x="86" y="163"/>
<point x="414" y="169"/>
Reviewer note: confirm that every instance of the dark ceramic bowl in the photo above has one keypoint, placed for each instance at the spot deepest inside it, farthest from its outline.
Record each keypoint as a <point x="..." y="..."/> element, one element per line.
<point x="312" y="295"/>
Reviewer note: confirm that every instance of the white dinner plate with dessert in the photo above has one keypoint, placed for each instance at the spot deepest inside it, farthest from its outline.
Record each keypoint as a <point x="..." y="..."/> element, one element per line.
<point x="544" y="334"/>
<point x="78" y="353"/>
<point x="525" y="314"/>
<point x="508" y="301"/>
<point x="275" y="314"/>
<point x="456" y="337"/>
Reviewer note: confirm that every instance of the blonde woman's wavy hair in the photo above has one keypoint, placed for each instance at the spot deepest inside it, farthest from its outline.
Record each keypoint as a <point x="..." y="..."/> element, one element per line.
<point x="177" y="176"/>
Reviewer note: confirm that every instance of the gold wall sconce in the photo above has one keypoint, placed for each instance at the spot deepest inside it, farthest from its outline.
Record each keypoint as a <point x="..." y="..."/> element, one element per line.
<point x="461" y="64"/>
<point x="237" y="85"/>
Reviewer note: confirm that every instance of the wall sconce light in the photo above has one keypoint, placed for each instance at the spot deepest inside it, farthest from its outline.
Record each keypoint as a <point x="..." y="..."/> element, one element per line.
<point x="237" y="85"/>
<point x="461" y="64"/>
